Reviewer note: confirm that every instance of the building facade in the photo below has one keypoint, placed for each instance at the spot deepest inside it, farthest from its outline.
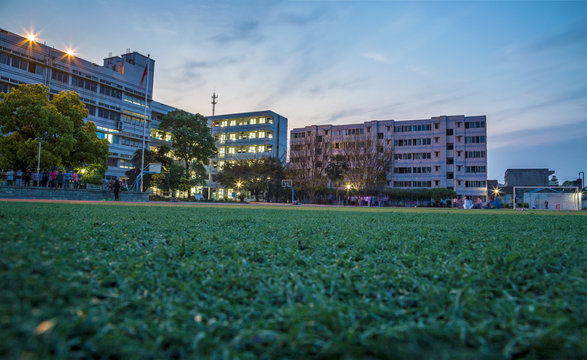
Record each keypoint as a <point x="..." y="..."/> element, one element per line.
<point x="242" y="136"/>
<point x="111" y="92"/>
<point x="440" y="152"/>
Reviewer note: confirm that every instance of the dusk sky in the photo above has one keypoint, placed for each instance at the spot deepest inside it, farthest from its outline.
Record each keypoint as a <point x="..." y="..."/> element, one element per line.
<point x="523" y="64"/>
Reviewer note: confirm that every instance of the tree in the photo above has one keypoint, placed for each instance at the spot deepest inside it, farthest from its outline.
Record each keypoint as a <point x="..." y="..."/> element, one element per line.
<point x="27" y="117"/>
<point x="158" y="155"/>
<point x="255" y="175"/>
<point x="335" y="171"/>
<point x="309" y="159"/>
<point x="191" y="142"/>
<point x="367" y="161"/>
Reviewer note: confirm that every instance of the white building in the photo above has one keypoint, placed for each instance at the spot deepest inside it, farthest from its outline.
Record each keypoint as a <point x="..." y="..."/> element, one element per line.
<point x="444" y="151"/>
<point x="111" y="92"/>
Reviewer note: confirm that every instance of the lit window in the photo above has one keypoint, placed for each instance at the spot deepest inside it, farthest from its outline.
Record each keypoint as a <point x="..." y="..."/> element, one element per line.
<point x="261" y="120"/>
<point x="232" y="136"/>
<point x="224" y="123"/>
<point x="222" y="138"/>
<point x="270" y="135"/>
<point x="253" y="121"/>
<point x="232" y="122"/>
<point x="251" y="149"/>
<point x="261" y="148"/>
<point x="261" y="134"/>
<point x="253" y="135"/>
<point x="231" y="150"/>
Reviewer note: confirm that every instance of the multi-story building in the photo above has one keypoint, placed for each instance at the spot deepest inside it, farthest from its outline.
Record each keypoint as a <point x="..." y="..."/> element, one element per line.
<point x="444" y="151"/>
<point x="111" y="92"/>
<point x="250" y="135"/>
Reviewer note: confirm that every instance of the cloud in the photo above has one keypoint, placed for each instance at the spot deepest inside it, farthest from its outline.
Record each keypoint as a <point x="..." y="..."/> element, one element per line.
<point x="300" y="20"/>
<point x="244" y="31"/>
<point x="541" y="136"/>
<point x="190" y="69"/>
<point x="569" y="38"/>
<point x="376" y="57"/>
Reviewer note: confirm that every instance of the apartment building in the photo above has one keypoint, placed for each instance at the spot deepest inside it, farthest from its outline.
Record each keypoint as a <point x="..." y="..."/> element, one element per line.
<point x="444" y="151"/>
<point x="112" y="92"/>
<point x="249" y="135"/>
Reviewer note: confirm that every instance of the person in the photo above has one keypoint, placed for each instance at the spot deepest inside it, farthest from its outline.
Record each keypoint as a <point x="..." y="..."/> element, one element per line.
<point x="546" y="204"/>
<point x="18" y="177"/>
<point x="66" y="179"/>
<point x="45" y="178"/>
<point x="35" y="178"/>
<point x="75" y="178"/>
<point x="60" y="179"/>
<point x="9" y="177"/>
<point x="27" y="177"/>
<point x="116" y="189"/>
<point x="53" y="175"/>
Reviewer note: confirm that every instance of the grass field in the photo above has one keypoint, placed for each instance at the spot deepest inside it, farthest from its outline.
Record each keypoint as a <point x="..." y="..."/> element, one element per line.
<point x="140" y="281"/>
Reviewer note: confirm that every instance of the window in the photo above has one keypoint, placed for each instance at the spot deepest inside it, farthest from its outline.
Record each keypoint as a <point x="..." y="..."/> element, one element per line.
<point x="261" y="120"/>
<point x="59" y="76"/>
<point x="474" y="154"/>
<point x="475" y="184"/>
<point x="459" y="167"/>
<point x="436" y="182"/>
<point x="232" y="122"/>
<point x="449" y="131"/>
<point x="379" y="135"/>
<point x="474" y="139"/>
<point x="253" y="121"/>
<point x="475" y="169"/>
<point x="459" y="153"/>
<point x="4" y="59"/>
<point x="436" y="125"/>
<point x="450" y="175"/>
<point x="450" y="161"/>
<point x="436" y="153"/>
<point x="474" y="124"/>
<point x="436" y="168"/>
<point x="436" y="139"/>
<point x="450" y="146"/>
<point x="112" y="162"/>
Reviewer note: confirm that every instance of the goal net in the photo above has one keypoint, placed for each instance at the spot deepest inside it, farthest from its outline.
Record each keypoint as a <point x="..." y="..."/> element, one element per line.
<point x="547" y="197"/>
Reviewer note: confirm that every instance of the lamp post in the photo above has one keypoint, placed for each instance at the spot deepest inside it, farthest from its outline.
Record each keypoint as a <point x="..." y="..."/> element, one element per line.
<point x="39" y="162"/>
<point x="238" y="186"/>
<point x="348" y="187"/>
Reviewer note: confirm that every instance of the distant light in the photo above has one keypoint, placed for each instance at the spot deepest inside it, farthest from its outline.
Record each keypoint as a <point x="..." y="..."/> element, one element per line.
<point x="31" y="37"/>
<point x="348" y="186"/>
<point x="70" y="52"/>
<point x="238" y="184"/>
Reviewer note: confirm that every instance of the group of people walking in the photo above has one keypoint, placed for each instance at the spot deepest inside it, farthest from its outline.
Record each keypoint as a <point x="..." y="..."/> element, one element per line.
<point x="53" y="178"/>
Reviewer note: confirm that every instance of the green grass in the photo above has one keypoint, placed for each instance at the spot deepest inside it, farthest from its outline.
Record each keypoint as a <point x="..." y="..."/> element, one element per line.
<point x="116" y="281"/>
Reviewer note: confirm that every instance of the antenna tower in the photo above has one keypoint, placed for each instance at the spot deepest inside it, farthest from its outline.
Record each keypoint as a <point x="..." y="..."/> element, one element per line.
<point x="214" y="102"/>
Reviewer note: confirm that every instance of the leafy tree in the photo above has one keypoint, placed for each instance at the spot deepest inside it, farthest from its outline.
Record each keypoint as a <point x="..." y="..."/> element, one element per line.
<point x="191" y="142"/>
<point x="442" y="194"/>
<point x="27" y="117"/>
<point x="158" y="155"/>
<point x="335" y="171"/>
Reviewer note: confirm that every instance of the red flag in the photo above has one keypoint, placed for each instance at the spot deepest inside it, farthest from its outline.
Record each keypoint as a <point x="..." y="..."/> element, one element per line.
<point x="144" y="74"/>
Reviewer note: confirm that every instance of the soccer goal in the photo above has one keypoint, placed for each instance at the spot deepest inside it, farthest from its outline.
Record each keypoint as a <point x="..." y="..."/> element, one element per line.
<point x="547" y="197"/>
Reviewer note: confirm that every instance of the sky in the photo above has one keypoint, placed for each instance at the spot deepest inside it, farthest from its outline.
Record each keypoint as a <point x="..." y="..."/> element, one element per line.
<point x="523" y="64"/>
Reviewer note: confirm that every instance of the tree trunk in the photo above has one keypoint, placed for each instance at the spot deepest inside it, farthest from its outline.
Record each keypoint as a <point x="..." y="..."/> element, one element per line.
<point x="187" y="175"/>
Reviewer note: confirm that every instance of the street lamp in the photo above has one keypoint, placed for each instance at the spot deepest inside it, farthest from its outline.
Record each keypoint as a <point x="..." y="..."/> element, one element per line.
<point x="348" y="187"/>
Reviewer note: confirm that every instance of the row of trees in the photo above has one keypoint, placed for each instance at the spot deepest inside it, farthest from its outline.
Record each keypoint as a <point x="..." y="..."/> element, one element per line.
<point x="28" y="117"/>
<point x="360" y="162"/>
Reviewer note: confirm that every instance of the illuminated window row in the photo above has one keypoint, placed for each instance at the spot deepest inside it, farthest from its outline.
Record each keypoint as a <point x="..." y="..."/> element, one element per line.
<point x="245" y="135"/>
<point x="241" y="122"/>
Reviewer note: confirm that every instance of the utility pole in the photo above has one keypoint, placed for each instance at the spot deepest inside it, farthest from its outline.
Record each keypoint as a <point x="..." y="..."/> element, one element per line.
<point x="214" y="102"/>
